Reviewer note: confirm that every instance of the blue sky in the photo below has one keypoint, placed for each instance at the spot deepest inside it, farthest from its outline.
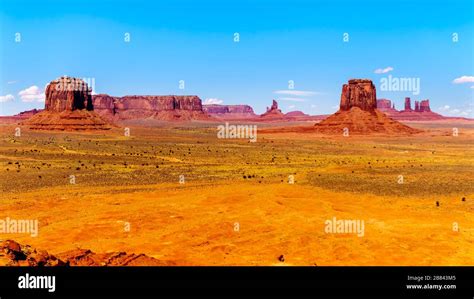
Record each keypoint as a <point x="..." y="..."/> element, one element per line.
<point x="279" y="41"/>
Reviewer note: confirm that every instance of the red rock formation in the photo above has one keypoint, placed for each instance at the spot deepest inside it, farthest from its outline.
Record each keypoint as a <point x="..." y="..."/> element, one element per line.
<point x="68" y="94"/>
<point x="358" y="93"/>
<point x="14" y="254"/>
<point x="153" y="107"/>
<point x="425" y="106"/>
<point x="384" y="104"/>
<point x="22" y="116"/>
<point x="408" y="104"/>
<point x="68" y="106"/>
<point x="296" y="114"/>
<point x="28" y="113"/>
<point x="273" y="112"/>
<point x="229" y="111"/>
<point x="422" y="111"/>
<point x="417" y="106"/>
<point x="358" y="113"/>
<point x="274" y="106"/>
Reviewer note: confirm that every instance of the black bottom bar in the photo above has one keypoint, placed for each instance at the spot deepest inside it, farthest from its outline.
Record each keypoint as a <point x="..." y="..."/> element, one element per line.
<point x="242" y="282"/>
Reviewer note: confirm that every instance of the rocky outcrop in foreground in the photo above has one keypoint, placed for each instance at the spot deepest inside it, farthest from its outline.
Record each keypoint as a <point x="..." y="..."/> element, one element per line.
<point x="166" y="108"/>
<point x="358" y="113"/>
<point x="68" y="106"/>
<point x="14" y="254"/>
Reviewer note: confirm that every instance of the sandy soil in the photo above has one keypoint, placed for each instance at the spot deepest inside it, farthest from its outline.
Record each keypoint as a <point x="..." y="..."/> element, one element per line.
<point x="236" y="206"/>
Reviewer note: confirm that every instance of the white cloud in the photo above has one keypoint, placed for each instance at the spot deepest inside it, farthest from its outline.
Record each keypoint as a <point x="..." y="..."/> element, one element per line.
<point x="463" y="111"/>
<point x="301" y="93"/>
<point x="464" y="79"/>
<point x="213" y="101"/>
<point x="7" y="98"/>
<point x="11" y="82"/>
<point x="291" y="106"/>
<point x="292" y="99"/>
<point x="383" y="71"/>
<point x="32" y="94"/>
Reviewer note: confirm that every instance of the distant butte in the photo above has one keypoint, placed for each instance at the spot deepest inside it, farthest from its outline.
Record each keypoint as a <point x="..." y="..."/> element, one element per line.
<point x="273" y="112"/>
<point x="421" y="111"/>
<point x="358" y="113"/>
<point x="229" y="111"/>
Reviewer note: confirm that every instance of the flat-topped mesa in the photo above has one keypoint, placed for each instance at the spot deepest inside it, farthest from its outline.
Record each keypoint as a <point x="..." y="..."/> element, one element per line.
<point x="384" y="104"/>
<point x="68" y="94"/>
<point x="358" y="93"/>
<point x="170" y="107"/>
<point x="224" y="109"/>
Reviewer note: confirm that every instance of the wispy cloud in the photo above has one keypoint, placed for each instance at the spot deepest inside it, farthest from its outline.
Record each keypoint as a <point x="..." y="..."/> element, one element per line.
<point x="32" y="94"/>
<point x="464" y="79"/>
<point x="292" y="99"/>
<point x="301" y="93"/>
<point x="213" y="101"/>
<point x="384" y="70"/>
<point x="7" y="98"/>
<point x="12" y="82"/>
<point x="463" y="111"/>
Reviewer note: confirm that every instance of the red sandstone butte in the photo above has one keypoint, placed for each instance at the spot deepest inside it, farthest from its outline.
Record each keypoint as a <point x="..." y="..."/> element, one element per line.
<point x="358" y="93"/>
<point x="358" y="113"/>
<point x="68" y="106"/>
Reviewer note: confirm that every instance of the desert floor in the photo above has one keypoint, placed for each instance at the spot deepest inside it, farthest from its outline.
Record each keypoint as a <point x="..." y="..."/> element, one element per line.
<point x="236" y="206"/>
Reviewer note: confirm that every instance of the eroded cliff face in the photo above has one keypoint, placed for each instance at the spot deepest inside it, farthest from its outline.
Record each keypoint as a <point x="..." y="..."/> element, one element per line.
<point x="358" y="93"/>
<point x="68" y="106"/>
<point x="159" y="107"/>
<point x="68" y="94"/>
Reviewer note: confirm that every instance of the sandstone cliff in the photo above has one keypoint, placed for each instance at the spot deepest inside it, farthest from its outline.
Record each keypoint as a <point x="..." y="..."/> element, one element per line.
<point x="153" y="107"/>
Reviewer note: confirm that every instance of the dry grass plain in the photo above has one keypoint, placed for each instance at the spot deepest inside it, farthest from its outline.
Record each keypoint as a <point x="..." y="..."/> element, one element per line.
<point x="127" y="195"/>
